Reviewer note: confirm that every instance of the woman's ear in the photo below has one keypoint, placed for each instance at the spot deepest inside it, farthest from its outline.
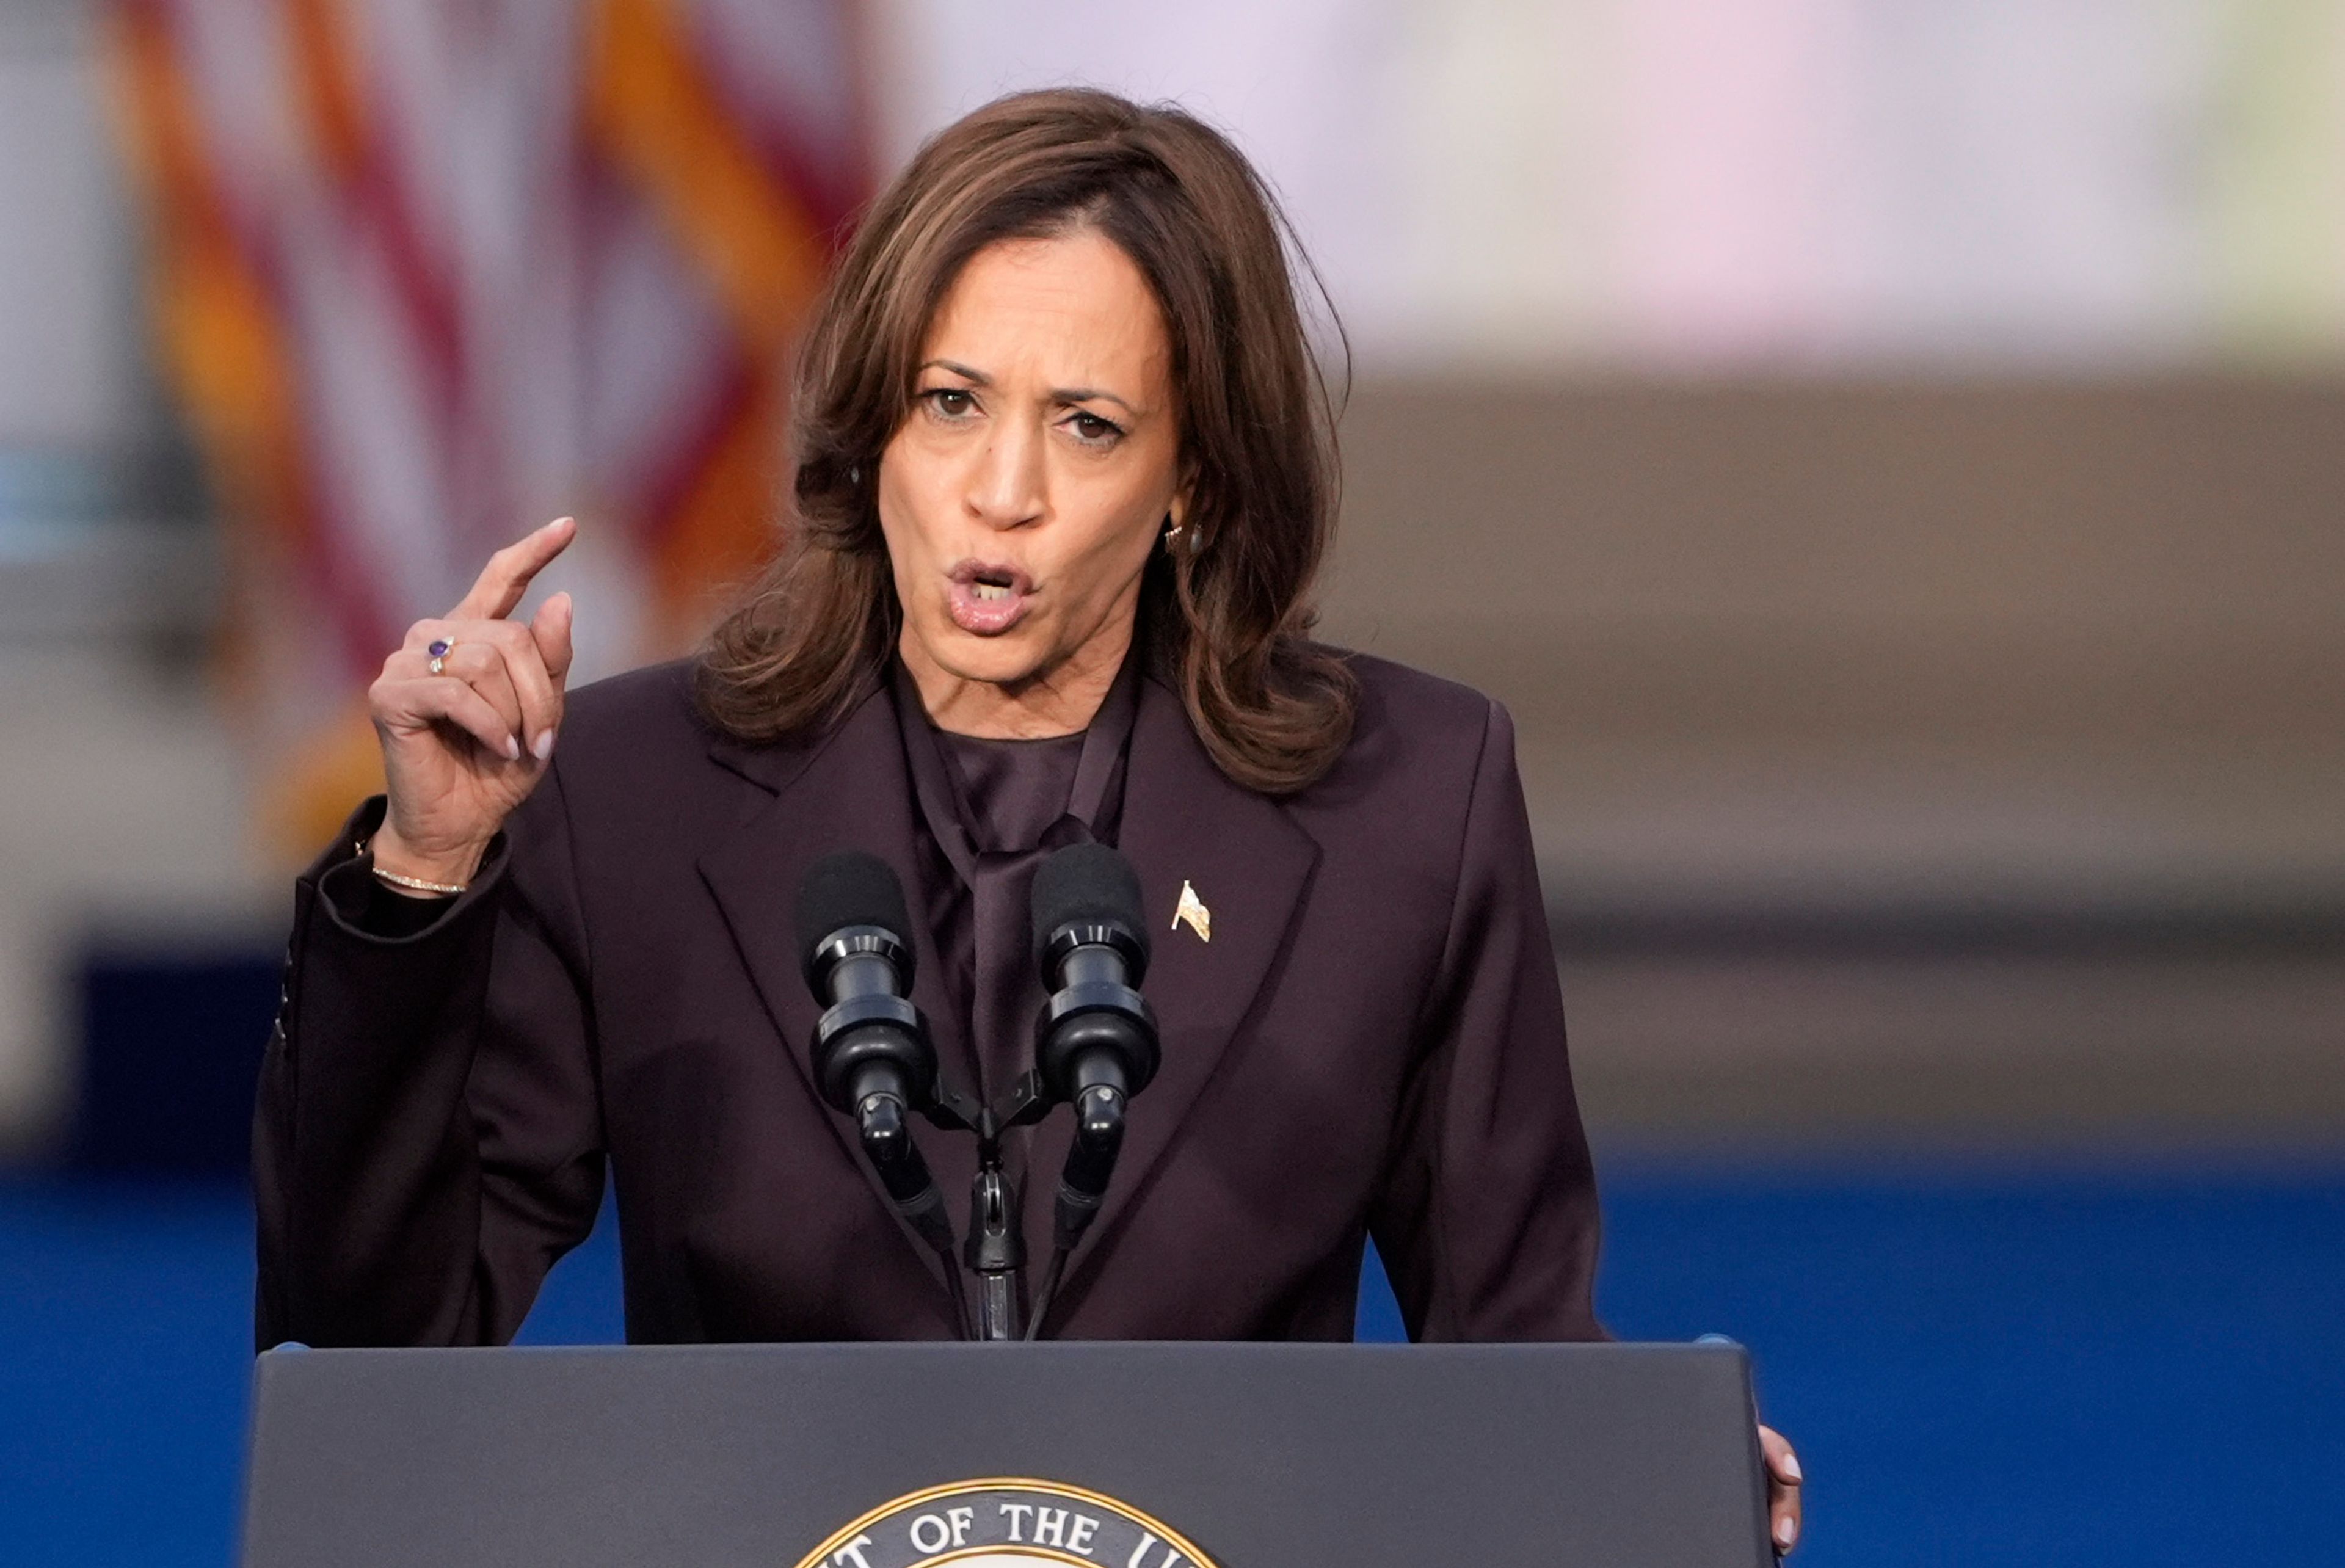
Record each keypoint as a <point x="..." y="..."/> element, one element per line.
<point x="1178" y="534"/>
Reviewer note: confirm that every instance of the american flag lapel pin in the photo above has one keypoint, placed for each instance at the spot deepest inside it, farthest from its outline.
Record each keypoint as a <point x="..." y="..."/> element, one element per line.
<point x="1193" y="910"/>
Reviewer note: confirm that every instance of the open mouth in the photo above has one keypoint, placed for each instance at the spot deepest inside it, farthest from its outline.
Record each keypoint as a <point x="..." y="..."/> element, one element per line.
<point x="992" y="583"/>
<point x="987" y="598"/>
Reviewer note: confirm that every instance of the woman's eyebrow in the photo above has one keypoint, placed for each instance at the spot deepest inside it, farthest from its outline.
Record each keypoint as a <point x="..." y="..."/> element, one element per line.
<point x="1092" y="394"/>
<point x="1058" y="394"/>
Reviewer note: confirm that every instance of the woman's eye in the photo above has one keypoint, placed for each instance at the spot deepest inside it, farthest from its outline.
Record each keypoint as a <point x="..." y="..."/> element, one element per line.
<point x="1093" y="428"/>
<point x="951" y="401"/>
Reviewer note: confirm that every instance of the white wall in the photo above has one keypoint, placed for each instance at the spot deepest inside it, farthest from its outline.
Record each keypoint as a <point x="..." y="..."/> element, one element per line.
<point x="70" y="323"/>
<point x="1967" y="183"/>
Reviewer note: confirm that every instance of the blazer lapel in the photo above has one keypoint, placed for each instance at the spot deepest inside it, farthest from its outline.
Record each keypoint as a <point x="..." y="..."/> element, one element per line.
<point x="846" y="789"/>
<point x="1245" y="861"/>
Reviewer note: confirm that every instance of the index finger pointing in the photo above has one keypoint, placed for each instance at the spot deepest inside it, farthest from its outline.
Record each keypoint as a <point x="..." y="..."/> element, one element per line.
<point x="507" y="575"/>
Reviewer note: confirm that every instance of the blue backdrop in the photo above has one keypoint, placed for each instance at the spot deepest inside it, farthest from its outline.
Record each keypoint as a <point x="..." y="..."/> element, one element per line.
<point x="1985" y="1367"/>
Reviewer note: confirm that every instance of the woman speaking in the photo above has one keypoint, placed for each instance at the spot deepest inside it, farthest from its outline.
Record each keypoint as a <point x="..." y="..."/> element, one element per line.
<point x="1063" y="475"/>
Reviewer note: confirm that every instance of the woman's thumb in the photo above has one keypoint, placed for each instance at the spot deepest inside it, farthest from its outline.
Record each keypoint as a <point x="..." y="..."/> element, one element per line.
<point x="551" y="629"/>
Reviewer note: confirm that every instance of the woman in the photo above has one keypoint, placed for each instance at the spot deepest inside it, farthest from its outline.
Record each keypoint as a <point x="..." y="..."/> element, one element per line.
<point x="1061" y="485"/>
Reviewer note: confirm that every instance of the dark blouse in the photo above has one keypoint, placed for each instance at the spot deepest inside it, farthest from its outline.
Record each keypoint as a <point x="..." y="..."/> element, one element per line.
<point x="991" y="811"/>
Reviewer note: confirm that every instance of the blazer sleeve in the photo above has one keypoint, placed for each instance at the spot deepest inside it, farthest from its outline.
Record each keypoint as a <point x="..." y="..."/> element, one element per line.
<point x="427" y="1135"/>
<point x="1486" y="1220"/>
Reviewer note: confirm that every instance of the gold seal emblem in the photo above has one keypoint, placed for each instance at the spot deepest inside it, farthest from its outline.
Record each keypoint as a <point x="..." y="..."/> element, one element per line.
<point x="1006" y="1523"/>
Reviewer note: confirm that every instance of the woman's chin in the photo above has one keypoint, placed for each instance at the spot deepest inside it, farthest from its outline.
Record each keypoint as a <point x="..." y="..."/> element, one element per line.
<point x="1011" y="658"/>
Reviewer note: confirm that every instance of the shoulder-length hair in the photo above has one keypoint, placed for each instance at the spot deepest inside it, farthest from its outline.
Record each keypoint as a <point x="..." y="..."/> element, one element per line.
<point x="1226" y="612"/>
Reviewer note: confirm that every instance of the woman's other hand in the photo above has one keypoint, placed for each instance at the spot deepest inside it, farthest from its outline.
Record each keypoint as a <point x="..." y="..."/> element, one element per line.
<point x="1782" y="1489"/>
<point x="463" y="746"/>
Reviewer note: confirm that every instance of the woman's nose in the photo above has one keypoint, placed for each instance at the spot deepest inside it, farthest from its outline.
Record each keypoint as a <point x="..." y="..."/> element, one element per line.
<point x="1008" y="487"/>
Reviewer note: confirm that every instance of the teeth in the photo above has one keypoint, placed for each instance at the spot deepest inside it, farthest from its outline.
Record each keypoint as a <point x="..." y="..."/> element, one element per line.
<point x="991" y="589"/>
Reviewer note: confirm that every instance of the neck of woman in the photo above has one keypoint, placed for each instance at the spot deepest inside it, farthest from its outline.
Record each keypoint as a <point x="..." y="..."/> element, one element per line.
<point x="1059" y="700"/>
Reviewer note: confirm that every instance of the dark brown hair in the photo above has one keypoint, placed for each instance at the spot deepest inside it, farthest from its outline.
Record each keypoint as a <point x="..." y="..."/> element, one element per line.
<point x="1226" y="618"/>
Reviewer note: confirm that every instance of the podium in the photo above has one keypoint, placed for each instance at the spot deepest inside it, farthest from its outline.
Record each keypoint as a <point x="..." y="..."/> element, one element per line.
<point x="1149" y="1455"/>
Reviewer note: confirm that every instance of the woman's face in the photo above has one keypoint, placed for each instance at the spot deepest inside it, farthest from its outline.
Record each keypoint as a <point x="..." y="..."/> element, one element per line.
<point x="1022" y="494"/>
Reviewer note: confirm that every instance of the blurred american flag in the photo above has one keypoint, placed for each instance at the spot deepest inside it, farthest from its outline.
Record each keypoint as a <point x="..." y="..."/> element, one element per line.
<point x="428" y="272"/>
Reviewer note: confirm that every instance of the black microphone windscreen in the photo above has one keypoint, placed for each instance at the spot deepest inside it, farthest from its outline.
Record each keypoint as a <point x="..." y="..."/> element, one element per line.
<point x="1087" y="881"/>
<point x="852" y="887"/>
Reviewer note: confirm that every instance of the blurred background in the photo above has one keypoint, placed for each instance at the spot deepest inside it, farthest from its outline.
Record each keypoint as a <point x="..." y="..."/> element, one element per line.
<point x="1890" y="458"/>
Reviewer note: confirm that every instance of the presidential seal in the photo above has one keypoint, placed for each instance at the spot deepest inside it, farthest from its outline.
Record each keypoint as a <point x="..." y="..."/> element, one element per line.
<point x="1006" y="1523"/>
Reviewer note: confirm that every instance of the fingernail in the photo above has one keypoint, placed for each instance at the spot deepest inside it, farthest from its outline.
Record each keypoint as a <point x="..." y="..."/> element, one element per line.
<point x="1786" y="1532"/>
<point x="512" y="749"/>
<point x="543" y="747"/>
<point x="1792" y="1468"/>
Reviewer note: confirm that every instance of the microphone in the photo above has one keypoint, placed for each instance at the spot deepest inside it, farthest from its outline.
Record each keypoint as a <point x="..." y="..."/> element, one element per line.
<point x="1095" y="1040"/>
<point x="871" y="1052"/>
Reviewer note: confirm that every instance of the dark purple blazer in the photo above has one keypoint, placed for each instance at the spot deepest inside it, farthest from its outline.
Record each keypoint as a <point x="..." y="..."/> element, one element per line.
<point x="1372" y="1042"/>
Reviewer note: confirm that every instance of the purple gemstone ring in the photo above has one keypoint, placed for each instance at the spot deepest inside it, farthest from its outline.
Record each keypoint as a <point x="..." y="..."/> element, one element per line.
<point x="439" y="651"/>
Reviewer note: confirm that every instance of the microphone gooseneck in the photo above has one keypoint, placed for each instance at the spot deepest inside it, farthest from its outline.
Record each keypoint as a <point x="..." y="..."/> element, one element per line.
<point x="871" y="1054"/>
<point x="1095" y="1039"/>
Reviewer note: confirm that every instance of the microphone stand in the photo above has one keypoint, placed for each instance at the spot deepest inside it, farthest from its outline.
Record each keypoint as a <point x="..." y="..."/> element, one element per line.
<point x="887" y="1145"/>
<point x="995" y="1249"/>
<point x="1091" y="1165"/>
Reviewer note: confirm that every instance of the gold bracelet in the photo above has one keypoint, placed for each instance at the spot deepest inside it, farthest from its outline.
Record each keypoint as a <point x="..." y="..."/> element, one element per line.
<point x="445" y="889"/>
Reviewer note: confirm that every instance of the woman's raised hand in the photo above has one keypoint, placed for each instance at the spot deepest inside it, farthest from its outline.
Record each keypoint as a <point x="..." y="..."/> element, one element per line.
<point x="463" y="744"/>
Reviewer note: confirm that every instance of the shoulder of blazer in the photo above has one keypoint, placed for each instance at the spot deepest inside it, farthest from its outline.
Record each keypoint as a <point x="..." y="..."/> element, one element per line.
<point x="632" y="728"/>
<point x="1414" y="731"/>
<point x="639" y="738"/>
<point x="657" y="696"/>
<point x="1414" y="698"/>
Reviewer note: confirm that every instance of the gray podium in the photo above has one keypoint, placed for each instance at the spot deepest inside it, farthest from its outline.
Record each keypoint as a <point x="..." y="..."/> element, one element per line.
<point x="885" y="1456"/>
